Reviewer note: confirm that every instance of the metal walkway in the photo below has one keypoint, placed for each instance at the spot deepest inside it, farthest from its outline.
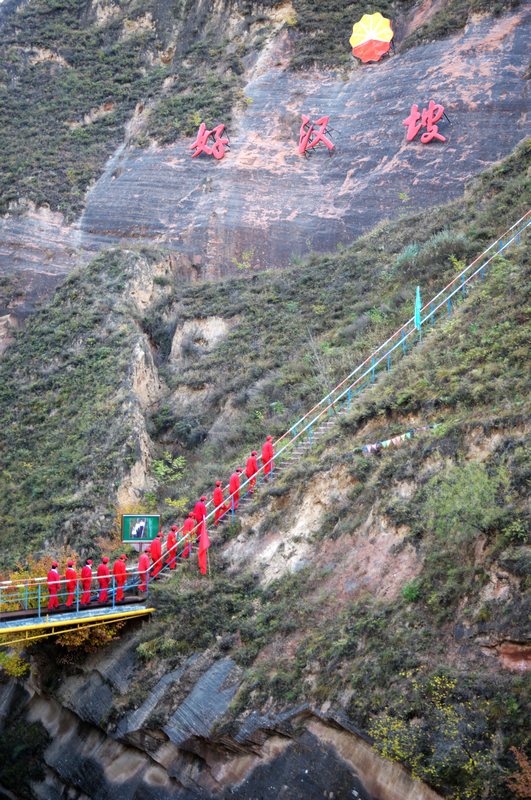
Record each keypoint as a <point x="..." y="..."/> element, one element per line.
<point x="28" y="629"/>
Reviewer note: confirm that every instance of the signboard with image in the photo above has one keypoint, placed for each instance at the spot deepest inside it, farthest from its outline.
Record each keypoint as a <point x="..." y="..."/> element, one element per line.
<point x="138" y="528"/>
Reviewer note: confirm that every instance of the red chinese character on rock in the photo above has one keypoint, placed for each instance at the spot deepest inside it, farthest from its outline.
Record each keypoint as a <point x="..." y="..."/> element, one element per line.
<point x="310" y="138"/>
<point x="201" y="143"/>
<point x="429" y="117"/>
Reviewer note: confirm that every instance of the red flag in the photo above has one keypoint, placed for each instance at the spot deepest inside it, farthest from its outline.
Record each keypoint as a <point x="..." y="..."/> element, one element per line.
<point x="204" y="544"/>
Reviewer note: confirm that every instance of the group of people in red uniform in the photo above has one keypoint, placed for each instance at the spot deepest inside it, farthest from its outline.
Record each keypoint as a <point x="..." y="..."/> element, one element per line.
<point x="194" y="529"/>
<point x="81" y="584"/>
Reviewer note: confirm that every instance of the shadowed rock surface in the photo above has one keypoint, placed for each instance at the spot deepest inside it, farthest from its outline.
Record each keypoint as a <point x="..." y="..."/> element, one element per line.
<point x="300" y="754"/>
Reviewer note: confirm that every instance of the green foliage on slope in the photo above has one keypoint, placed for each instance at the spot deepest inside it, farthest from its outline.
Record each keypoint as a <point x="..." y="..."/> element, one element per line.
<point x="408" y="670"/>
<point x="69" y="81"/>
<point x="453" y="16"/>
<point x="49" y="154"/>
<point x="65" y="409"/>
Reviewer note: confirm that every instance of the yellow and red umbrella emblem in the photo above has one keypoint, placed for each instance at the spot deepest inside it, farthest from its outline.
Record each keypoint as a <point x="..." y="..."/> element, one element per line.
<point x="371" y="37"/>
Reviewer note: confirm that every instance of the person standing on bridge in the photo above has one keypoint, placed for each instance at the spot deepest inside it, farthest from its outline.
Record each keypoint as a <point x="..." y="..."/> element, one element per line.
<point x="234" y="488"/>
<point x="171" y="547"/>
<point x="71" y="582"/>
<point x="219" y="505"/>
<point x="120" y="574"/>
<point x="104" y="579"/>
<point x="188" y="532"/>
<point x="251" y="468"/>
<point x="143" y="571"/>
<point x="53" y="586"/>
<point x="200" y="512"/>
<point x="86" y="579"/>
<point x="156" y="554"/>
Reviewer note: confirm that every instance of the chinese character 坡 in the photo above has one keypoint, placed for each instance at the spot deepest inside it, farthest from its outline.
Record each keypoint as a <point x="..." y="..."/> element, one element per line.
<point x="430" y="116"/>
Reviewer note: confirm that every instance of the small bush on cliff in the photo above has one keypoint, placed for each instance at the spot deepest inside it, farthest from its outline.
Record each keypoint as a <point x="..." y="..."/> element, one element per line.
<point x="520" y="781"/>
<point x="465" y="501"/>
<point x="443" y="736"/>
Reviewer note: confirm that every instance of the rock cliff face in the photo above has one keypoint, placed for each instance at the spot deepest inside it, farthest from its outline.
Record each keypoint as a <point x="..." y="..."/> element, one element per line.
<point x="264" y="204"/>
<point x="166" y="746"/>
<point x="266" y="201"/>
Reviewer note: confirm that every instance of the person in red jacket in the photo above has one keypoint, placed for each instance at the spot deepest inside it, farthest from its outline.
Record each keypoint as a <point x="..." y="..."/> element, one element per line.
<point x="86" y="579"/>
<point x="200" y="512"/>
<point x="219" y="505"/>
<point x="171" y="547"/>
<point x="104" y="579"/>
<point x="143" y="570"/>
<point x="188" y="532"/>
<point x="53" y="586"/>
<point x="267" y="457"/>
<point x="234" y="488"/>
<point x="71" y="582"/>
<point x="120" y="574"/>
<point x="156" y="554"/>
<point x="251" y="468"/>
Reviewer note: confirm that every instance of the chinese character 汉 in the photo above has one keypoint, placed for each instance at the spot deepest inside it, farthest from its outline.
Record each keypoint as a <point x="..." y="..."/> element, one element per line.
<point x="309" y="137"/>
<point x="201" y="143"/>
<point x="430" y="116"/>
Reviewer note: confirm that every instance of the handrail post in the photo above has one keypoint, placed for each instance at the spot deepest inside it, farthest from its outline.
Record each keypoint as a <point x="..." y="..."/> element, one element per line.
<point x="404" y="345"/>
<point x="500" y="246"/>
<point x="449" y="304"/>
<point x="39" y="600"/>
<point x="113" y="589"/>
<point x="348" y="399"/>
<point x="432" y="315"/>
<point x="463" y="284"/>
<point x="372" y="370"/>
<point x="388" y="362"/>
<point x="232" y="508"/>
<point x="25" y="596"/>
<point x="77" y="595"/>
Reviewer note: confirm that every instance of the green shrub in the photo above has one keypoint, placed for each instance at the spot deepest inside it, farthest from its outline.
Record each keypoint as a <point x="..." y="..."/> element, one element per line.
<point x="411" y="591"/>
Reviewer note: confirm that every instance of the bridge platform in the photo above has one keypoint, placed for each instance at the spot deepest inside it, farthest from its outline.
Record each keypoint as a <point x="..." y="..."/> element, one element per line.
<point x="28" y="628"/>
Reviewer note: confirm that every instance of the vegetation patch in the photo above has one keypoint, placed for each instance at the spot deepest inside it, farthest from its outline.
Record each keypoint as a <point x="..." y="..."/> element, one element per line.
<point x="69" y="82"/>
<point x="65" y="411"/>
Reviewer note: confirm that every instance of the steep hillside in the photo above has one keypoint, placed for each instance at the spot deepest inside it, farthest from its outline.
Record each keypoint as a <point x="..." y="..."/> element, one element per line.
<point x="360" y="598"/>
<point x="221" y="364"/>
<point x="384" y="593"/>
